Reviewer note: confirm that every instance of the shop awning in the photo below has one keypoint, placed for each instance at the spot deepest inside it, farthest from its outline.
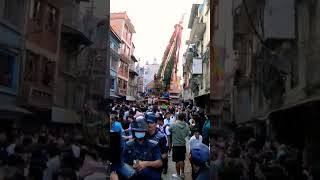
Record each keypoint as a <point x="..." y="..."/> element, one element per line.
<point x="13" y="109"/>
<point x="13" y="112"/>
<point x="292" y="105"/>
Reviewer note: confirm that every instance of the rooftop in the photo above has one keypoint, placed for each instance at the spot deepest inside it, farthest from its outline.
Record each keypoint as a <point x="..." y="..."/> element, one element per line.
<point x="124" y="16"/>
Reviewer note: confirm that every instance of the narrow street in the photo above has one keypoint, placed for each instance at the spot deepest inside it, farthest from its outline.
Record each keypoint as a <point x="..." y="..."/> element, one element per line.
<point x="172" y="168"/>
<point x="102" y="89"/>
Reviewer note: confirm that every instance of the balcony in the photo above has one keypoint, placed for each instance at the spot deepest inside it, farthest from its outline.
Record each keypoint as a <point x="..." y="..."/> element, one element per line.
<point x="37" y="95"/>
<point x="133" y="70"/>
<point x="125" y="58"/>
<point x="122" y="92"/>
<point x="197" y="31"/>
<point x="123" y="73"/>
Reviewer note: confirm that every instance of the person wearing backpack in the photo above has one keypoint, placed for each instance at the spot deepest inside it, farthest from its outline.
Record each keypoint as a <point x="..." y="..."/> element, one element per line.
<point x="164" y="128"/>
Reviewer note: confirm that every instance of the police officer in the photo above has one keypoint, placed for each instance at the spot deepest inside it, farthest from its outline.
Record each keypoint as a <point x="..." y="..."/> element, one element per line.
<point x="143" y="154"/>
<point x="199" y="158"/>
<point x="155" y="134"/>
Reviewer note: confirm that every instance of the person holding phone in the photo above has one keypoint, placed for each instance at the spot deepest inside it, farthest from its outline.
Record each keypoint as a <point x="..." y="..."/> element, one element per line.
<point x="142" y="154"/>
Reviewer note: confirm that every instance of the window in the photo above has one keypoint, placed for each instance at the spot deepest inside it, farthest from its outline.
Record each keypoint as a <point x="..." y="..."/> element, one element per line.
<point x="34" y="14"/>
<point x="125" y="66"/>
<point x="122" y="48"/>
<point x="7" y="70"/>
<point x="119" y="82"/>
<point x="129" y="35"/>
<point x="52" y="18"/>
<point x="124" y="32"/>
<point x="31" y="67"/>
<point x="114" y="46"/>
<point x="127" y="53"/>
<point x="114" y="63"/>
<point x="124" y="85"/>
<point x="113" y="83"/>
<point x="48" y="71"/>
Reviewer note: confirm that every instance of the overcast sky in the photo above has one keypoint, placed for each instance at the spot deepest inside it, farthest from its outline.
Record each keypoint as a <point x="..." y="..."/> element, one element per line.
<point x="154" y="22"/>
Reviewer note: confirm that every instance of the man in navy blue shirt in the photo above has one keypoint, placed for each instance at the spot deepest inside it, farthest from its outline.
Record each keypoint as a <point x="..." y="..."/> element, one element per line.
<point x="159" y="137"/>
<point x="199" y="157"/>
<point x="143" y="154"/>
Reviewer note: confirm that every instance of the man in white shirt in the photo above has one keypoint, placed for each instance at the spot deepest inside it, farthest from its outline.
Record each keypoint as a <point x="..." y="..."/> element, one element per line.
<point x="168" y="118"/>
<point x="196" y="136"/>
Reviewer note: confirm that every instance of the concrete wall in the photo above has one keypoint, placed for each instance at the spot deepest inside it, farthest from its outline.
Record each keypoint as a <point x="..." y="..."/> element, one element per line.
<point x="313" y="65"/>
<point x="101" y="8"/>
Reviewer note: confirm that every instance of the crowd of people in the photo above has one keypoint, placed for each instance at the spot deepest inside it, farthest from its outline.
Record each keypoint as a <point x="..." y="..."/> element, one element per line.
<point x="58" y="153"/>
<point x="232" y="158"/>
<point x="150" y="134"/>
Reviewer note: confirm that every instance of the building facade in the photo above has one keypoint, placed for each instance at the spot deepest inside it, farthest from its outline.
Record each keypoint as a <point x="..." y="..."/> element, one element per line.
<point x="270" y="82"/>
<point x="115" y="44"/>
<point x="141" y="87"/>
<point x="196" y="71"/>
<point x="71" y="90"/>
<point x="43" y="27"/>
<point x="149" y="71"/>
<point x="12" y="22"/>
<point x="122" y="25"/>
<point x="132" y="93"/>
<point x="222" y="63"/>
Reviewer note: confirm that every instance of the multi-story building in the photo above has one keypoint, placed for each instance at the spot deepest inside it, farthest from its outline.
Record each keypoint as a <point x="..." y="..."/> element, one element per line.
<point x="122" y="25"/>
<point x="115" y="44"/>
<point x="149" y="71"/>
<point x="276" y="82"/>
<point x="222" y="62"/>
<point x="71" y="89"/>
<point x="12" y="13"/>
<point x="196" y="72"/>
<point x="132" y="93"/>
<point x="141" y="88"/>
<point x="43" y="27"/>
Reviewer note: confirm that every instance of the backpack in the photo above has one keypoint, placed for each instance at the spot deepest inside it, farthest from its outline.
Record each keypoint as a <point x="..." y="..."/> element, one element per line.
<point x="164" y="129"/>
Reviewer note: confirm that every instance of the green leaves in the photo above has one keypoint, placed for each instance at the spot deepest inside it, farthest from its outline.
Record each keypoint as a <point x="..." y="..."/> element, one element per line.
<point x="168" y="72"/>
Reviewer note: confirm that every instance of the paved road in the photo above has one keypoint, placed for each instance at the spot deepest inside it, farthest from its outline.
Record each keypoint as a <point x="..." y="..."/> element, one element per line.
<point x="172" y="168"/>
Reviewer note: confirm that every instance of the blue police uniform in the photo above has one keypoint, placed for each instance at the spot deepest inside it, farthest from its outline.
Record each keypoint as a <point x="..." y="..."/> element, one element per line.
<point x="161" y="140"/>
<point x="147" y="151"/>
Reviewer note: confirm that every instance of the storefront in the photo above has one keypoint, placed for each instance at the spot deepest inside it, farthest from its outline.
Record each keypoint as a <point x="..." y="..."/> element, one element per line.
<point x="298" y="125"/>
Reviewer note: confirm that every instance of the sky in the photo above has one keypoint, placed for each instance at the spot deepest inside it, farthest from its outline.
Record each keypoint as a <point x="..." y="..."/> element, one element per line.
<point x="154" y="22"/>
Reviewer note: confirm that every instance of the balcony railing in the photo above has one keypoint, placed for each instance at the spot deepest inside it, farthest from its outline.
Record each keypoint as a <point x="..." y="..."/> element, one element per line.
<point x="37" y="95"/>
<point x="122" y="92"/>
<point x="124" y="58"/>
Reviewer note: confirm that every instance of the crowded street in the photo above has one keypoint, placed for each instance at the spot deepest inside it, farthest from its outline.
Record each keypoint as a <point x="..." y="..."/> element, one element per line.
<point x="159" y="89"/>
<point x="176" y="130"/>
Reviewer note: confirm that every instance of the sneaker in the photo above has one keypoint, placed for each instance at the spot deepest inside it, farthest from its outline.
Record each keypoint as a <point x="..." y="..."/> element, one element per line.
<point x="176" y="176"/>
<point x="182" y="176"/>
